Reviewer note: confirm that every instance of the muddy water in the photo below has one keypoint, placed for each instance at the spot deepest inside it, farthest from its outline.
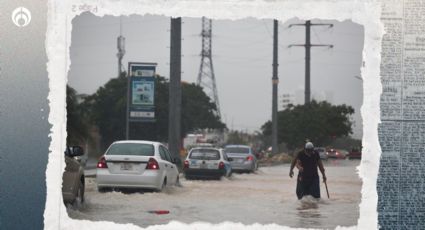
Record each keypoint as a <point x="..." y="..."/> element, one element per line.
<point x="265" y="197"/>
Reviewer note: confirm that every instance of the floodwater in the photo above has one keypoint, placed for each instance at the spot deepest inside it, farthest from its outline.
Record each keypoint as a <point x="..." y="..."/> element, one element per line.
<point x="265" y="197"/>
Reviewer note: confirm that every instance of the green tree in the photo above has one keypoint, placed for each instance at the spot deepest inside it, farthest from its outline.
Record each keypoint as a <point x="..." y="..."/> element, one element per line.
<point x="198" y="111"/>
<point x="320" y="122"/>
<point x="76" y="124"/>
<point x="236" y="137"/>
<point x="107" y="109"/>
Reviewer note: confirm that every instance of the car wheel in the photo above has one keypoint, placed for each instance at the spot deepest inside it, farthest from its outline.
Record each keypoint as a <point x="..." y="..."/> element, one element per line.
<point x="79" y="199"/>
<point x="253" y="169"/>
<point x="178" y="184"/>
<point x="163" y="185"/>
<point x="228" y="174"/>
<point x="103" y="190"/>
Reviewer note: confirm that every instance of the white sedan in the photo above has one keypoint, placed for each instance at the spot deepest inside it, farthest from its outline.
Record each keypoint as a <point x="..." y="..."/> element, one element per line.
<point x="136" y="164"/>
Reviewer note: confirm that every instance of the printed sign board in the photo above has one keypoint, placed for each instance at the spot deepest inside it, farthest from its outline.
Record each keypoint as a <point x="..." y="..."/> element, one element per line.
<point x="141" y="91"/>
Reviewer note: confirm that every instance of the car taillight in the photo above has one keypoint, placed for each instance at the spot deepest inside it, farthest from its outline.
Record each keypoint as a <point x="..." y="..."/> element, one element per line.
<point x="250" y="158"/>
<point x="186" y="164"/>
<point x="152" y="164"/>
<point x="221" y="165"/>
<point x="102" y="163"/>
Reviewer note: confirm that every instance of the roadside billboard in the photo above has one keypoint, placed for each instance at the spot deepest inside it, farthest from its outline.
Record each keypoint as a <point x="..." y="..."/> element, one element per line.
<point x="141" y="92"/>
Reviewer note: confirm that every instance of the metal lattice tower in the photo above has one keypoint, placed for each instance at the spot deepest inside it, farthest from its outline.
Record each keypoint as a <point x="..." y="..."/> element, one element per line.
<point x="206" y="78"/>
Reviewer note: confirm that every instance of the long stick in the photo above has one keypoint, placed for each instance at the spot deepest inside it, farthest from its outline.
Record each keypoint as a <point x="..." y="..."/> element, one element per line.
<point x="326" y="185"/>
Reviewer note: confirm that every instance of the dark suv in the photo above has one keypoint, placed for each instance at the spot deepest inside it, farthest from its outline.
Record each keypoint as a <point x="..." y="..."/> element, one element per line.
<point x="73" y="177"/>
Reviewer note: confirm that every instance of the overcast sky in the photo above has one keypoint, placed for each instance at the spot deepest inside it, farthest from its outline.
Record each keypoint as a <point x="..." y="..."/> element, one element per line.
<point x="242" y="58"/>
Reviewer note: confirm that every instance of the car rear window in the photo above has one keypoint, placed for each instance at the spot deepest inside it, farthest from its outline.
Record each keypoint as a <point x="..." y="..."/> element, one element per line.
<point x="205" y="154"/>
<point x="133" y="149"/>
<point x="237" y="150"/>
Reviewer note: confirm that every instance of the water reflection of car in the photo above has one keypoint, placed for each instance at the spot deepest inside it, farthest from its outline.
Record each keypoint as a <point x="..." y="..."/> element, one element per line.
<point x="206" y="162"/>
<point x="355" y="153"/>
<point x="73" y="183"/>
<point x="322" y="152"/>
<point x="241" y="158"/>
<point x="334" y="153"/>
<point x="136" y="164"/>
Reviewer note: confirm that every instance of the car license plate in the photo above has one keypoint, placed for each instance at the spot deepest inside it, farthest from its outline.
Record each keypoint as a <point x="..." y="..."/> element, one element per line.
<point x="204" y="166"/>
<point x="126" y="166"/>
<point x="212" y="167"/>
<point x="240" y="160"/>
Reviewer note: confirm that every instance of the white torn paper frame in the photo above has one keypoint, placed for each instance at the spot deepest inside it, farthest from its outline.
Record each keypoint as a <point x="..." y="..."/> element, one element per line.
<point x="61" y="13"/>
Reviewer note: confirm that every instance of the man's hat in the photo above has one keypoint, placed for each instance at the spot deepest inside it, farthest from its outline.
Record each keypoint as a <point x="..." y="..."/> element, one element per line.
<point x="309" y="145"/>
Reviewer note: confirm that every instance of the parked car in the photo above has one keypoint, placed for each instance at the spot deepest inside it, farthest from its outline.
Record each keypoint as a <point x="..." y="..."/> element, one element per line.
<point x="343" y="152"/>
<point x="355" y="153"/>
<point x="206" y="162"/>
<point x="334" y="153"/>
<point x="73" y="182"/>
<point x="241" y="158"/>
<point x="322" y="152"/>
<point x="136" y="164"/>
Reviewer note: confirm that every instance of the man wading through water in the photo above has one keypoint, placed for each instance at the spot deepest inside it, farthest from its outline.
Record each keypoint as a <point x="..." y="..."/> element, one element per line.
<point x="307" y="162"/>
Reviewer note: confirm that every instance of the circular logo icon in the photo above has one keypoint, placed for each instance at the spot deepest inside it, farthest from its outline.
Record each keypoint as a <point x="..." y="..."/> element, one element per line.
<point x="21" y="17"/>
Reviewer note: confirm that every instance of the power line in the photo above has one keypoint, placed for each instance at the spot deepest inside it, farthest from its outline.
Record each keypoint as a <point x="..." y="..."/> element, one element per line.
<point x="317" y="36"/>
<point x="267" y="29"/>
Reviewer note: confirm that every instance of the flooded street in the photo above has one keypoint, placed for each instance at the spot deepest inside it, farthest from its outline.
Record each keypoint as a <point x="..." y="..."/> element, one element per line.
<point x="265" y="197"/>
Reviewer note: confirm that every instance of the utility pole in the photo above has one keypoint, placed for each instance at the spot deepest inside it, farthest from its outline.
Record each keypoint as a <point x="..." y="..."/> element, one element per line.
<point x="308" y="46"/>
<point x="120" y="55"/>
<point x="275" y="82"/>
<point x="174" y="118"/>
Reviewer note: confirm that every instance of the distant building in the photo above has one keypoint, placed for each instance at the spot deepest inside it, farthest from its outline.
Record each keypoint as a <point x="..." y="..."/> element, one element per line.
<point x="211" y="136"/>
<point x="323" y="96"/>
<point x="285" y="100"/>
<point x="297" y="98"/>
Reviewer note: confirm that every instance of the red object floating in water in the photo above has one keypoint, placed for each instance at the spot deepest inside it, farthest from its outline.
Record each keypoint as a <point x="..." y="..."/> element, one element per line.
<point x="160" y="212"/>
